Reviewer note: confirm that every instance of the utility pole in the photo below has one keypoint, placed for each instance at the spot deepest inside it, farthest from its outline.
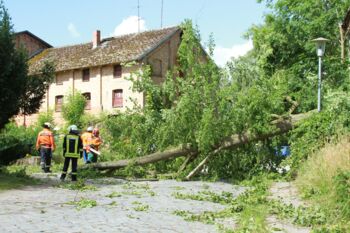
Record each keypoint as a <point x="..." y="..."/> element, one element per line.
<point x="138" y="16"/>
<point x="161" y="15"/>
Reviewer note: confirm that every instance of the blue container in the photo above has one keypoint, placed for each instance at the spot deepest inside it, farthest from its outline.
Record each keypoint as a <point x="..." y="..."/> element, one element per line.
<point x="285" y="151"/>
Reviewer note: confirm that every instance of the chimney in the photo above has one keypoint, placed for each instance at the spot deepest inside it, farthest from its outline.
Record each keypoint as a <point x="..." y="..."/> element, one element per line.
<point x="96" y="39"/>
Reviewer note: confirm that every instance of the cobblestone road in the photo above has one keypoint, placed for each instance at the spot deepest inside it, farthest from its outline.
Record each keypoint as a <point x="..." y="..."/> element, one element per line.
<point x="121" y="207"/>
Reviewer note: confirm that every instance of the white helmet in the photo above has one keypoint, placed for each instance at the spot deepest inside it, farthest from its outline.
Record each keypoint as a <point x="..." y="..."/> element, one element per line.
<point x="90" y="129"/>
<point x="47" y="124"/>
<point x="72" y="128"/>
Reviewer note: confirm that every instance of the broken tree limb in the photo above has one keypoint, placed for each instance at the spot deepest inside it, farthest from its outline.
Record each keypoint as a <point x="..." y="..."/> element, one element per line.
<point x="282" y="126"/>
<point x="151" y="158"/>
<point x="294" y="106"/>
<point x="189" y="158"/>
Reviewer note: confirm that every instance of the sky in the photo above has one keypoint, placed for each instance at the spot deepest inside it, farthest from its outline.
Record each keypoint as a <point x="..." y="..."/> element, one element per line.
<point x="67" y="22"/>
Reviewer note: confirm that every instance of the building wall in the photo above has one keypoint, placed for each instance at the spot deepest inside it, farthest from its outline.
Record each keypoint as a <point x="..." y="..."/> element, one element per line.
<point x="29" y="43"/>
<point x="102" y="83"/>
<point x="167" y="53"/>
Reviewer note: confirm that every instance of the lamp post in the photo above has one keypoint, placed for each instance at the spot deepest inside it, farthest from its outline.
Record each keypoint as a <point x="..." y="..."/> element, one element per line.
<point x="320" y="49"/>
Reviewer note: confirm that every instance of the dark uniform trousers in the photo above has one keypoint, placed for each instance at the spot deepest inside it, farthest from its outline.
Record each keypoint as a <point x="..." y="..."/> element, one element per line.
<point x="74" y="168"/>
<point x="72" y="146"/>
<point x="45" y="155"/>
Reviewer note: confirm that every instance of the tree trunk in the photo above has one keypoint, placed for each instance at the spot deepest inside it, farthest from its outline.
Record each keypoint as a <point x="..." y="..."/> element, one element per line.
<point x="282" y="126"/>
<point x="151" y="158"/>
<point x="232" y="142"/>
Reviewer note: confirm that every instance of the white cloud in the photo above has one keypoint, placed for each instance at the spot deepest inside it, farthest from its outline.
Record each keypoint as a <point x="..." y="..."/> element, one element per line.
<point x="223" y="55"/>
<point x="72" y="30"/>
<point x="129" y="25"/>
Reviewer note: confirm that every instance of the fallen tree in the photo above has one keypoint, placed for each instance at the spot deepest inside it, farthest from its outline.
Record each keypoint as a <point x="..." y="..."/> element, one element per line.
<point x="282" y="125"/>
<point x="151" y="158"/>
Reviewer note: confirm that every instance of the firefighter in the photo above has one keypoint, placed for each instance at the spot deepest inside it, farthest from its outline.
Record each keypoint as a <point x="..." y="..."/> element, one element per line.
<point x="72" y="151"/>
<point x="85" y="137"/>
<point x="45" y="144"/>
<point x="94" y="143"/>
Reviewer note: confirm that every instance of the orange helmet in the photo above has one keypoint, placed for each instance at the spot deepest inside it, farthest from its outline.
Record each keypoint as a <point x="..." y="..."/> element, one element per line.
<point x="96" y="132"/>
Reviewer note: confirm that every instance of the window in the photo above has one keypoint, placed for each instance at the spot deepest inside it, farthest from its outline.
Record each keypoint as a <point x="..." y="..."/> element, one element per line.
<point x="86" y="75"/>
<point x="117" y="101"/>
<point x="58" y="103"/>
<point x="87" y="96"/>
<point x="117" y="71"/>
<point x="59" y="81"/>
<point x="156" y="67"/>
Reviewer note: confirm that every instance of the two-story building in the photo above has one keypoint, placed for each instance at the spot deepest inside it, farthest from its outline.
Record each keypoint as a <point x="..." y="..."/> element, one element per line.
<point x="96" y="69"/>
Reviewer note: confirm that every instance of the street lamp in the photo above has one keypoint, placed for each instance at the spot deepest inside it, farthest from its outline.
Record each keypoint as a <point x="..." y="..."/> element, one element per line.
<point x="320" y="48"/>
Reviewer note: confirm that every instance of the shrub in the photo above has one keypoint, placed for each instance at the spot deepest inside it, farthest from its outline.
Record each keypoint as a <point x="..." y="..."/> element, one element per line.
<point x="73" y="108"/>
<point x="15" y="142"/>
<point x="342" y="187"/>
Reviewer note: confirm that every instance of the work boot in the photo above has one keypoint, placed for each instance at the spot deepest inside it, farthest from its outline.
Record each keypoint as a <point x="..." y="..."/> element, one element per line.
<point x="63" y="176"/>
<point x="42" y="165"/>
<point x="47" y="170"/>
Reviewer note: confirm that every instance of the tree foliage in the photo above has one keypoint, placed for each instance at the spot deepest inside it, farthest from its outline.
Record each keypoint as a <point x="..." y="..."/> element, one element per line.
<point x="73" y="108"/>
<point x="284" y="44"/>
<point x="205" y="104"/>
<point x="197" y="104"/>
<point x="36" y="87"/>
<point x="19" y="92"/>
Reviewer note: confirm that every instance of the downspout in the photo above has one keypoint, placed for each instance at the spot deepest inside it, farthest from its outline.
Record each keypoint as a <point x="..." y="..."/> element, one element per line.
<point x="101" y="105"/>
<point x="144" y="61"/>
<point x="73" y="75"/>
<point x="169" y="55"/>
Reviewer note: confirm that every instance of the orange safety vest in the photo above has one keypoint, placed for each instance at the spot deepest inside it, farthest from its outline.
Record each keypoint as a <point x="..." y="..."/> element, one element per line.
<point x="45" y="139"/>
<point x="96" y="141"/>
<point x="86" y="137"/>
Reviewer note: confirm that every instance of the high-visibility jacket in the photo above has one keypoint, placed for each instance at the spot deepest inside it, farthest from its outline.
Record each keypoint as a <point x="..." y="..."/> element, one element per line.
<point x="45" y="139"/>
<point x="95" y="142"/>
<point x="85" y="137"/>
<point x="72" y="146"/>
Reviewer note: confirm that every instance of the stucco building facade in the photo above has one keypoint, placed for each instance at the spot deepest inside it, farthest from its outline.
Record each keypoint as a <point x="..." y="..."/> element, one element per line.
<point x="97" y="69"/>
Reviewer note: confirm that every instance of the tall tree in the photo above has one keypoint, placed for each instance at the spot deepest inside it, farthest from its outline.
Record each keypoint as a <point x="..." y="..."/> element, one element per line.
<point x="18" y="91"/>
<point x="283" y="43"/>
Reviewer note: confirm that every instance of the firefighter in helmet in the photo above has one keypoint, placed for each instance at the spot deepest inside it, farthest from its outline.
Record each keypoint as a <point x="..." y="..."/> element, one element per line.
<point x="45" y="144"/>
<point x="72" y="151"/>
<point x="86" y="137"/>
<point x="93" y="146"/>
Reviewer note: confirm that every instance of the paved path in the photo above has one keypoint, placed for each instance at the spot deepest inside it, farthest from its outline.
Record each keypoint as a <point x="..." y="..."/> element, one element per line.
<point x="287" y="193"/>
<point x="45" y="208"/>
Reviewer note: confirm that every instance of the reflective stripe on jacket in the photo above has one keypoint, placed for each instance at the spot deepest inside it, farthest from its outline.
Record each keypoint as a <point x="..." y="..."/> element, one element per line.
<point x="45" y="139"/>
<point x="72" y="146"/>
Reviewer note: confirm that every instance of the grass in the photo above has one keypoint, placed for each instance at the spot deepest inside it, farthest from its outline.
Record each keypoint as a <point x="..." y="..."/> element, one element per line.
<point x="10" y="181"/>
<point x="15" y="177"/>
<point x="324" y="180"/>
<point x="78" y="185"/>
